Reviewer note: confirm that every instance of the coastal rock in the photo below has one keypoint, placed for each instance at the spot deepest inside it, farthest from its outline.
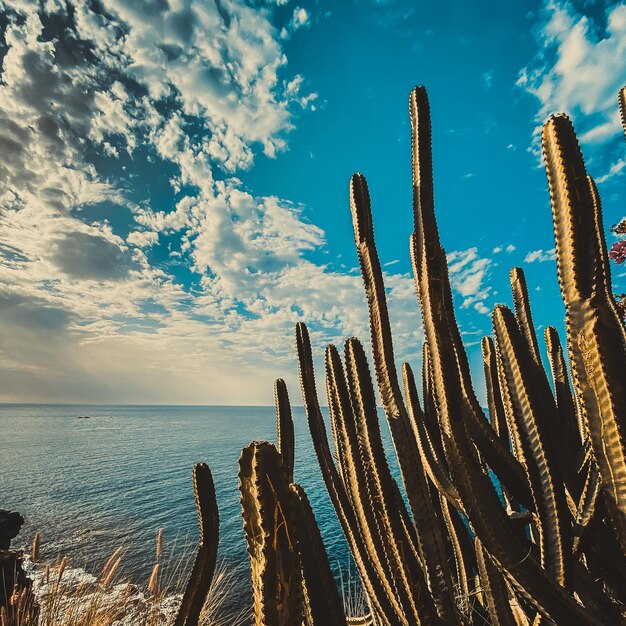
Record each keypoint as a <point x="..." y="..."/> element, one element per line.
<point x="10" y="524"/>
<point x="15" y="586"/>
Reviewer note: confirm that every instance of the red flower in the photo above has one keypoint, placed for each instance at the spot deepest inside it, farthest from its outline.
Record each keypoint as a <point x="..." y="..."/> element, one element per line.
<point x="618" y="251"/>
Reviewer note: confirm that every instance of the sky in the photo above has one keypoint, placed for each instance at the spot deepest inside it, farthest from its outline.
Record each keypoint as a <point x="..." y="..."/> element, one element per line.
<point x="174" y="179"/>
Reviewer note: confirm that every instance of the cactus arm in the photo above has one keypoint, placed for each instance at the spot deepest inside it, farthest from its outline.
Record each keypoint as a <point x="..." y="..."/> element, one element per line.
<point x="494" y="589"/>
<point x="533" y="407"/>
<point x="270" y="531"/>
<point x="497" y="415"/>
<point x="586" y="505"/>
<point x="382" y="345"/>
<point x="604" y="265"/>
<point x="480" y="500"/>
<point x="375" y="498"/>
<point x="323" y="604"/>
<point x="497" y="456"/>
<point x="204" y="565"/>
<point x="284" y="427"/>
<point x="382" y="606"/>
<point x="432" y="464"/>
<point x="621" y="98"/>
<point x="430" y="412"/>
<point x="596" y="336"/>
<point x="523" y="313"/>
<point x="569" y="418"/>
<point x="464" y="558"/>
<point x="361" y="486"/>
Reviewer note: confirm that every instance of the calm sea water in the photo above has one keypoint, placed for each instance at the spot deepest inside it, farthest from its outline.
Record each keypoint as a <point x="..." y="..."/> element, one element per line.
<point x="90" y="485"/>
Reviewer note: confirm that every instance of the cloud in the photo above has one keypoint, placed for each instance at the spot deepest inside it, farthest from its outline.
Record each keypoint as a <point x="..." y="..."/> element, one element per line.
<point x="300" y="18"/>
<point x="468" y="273"/>
<point x="134" y="265"/>
<point x="540" y="256"/>
<point x="508" y="248"/>
<point x="90" y="257"/>
<point x="488" y="79"/>
<point x="578" y="69"/>
<point x="616" y="168"/>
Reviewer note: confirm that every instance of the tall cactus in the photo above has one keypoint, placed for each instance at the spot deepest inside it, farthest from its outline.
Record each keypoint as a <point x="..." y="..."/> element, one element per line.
<point x="596" y="338"/>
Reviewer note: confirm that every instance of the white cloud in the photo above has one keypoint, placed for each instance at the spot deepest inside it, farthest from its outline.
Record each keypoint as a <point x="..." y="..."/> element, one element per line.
<point x="579" y="71"/>
<point x="300" y="18"/>
<point x="468" y="273"/>
<point x="616" y="168"/>
<point x="509" y="248"/>
<point x="88" y="314"/>
<point x="488" y="79"/>
<point x="540" y="256"/>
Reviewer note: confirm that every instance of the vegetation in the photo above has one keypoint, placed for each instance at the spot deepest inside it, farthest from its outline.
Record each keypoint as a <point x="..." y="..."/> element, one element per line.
<point x="515" y="519"/>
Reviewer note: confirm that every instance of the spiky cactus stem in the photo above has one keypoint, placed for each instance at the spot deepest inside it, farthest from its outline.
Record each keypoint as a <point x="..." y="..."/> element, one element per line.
<point x="596" y="337"/>
<point x="270" y="531"/>
<point x="204" y="566"/>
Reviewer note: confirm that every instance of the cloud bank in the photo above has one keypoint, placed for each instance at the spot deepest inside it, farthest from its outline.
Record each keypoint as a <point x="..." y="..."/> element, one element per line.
<point x="578" y="69"/>
<point x="134" y="266"/>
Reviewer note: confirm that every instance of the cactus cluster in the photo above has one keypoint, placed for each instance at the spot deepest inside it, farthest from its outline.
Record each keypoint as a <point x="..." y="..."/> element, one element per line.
<point x="515" y="517"/>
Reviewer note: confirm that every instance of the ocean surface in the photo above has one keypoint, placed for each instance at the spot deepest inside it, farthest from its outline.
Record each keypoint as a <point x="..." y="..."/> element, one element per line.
<point x="91" y="485"/>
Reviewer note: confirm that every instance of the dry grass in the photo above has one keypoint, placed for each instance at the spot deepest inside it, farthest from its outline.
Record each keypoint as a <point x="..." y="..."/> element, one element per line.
<point x="352" y="594"/>
<point x="67" y="596"/>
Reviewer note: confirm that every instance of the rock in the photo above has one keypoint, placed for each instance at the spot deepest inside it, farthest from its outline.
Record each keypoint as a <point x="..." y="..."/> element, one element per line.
<point x="10" y="524"/>
<point x="16" y="593"/>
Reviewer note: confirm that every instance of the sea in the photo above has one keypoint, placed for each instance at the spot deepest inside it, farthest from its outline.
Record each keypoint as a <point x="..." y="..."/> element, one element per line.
<point x="92" y="485"/>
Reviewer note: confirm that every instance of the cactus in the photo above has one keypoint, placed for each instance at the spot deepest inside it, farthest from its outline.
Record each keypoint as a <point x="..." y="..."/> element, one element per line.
<point x="270" y="534"/>
<point x="515" y="519"/>
<point x="622" y="107"/>
<point x="596" y="338"/>
<point x="204" y="565"/>
<point x="284" y="427"/>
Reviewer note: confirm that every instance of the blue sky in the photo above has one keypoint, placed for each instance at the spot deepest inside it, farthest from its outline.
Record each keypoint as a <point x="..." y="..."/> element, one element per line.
<point x="173" y="188"/>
